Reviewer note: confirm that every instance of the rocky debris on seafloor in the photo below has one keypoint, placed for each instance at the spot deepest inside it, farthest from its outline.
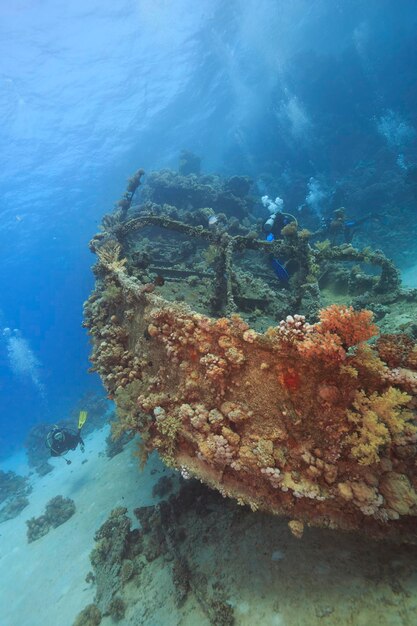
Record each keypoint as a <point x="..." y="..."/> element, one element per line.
<point x="13" y="508"/>
<point x="305" y="417"/>
<point x="163" y="487"/>
<point x="123" y="556"/>
<point x="14" y="490"/>
<point x="113" y="540"/>
<point x="11" y="485"/>
<point x="90" y="616"/>
<point x="196" y="554"/>
<point x="57" y="511"/>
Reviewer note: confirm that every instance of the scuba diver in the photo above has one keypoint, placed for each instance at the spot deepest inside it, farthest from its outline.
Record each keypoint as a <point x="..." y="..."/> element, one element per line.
<point x="60" y="439"/>
<point x="273" y="227"/>
<point x="339" y="226"/>
<point x="277" y="219"/>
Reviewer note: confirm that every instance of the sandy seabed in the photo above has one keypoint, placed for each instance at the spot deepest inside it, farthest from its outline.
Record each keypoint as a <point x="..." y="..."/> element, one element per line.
<point x="43" y="583"/>
<point x="270" y="578"/>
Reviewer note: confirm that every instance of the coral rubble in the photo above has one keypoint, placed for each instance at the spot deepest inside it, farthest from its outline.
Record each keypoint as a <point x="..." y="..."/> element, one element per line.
<point x="303" y="418"/>
<point x="123" y="559"/>
<point x="14" y="490"/>
<point x="90" y="616"/>
<point x="57" y="511"/>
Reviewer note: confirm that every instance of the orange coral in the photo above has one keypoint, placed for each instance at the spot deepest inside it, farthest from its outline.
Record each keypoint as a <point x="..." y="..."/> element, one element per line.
<point x="351" y="326"/>
<point x="281" y="420"/>
<point x="395" y="349"/>
<point x="412" y="358"/>
<point x="323" y="346"/>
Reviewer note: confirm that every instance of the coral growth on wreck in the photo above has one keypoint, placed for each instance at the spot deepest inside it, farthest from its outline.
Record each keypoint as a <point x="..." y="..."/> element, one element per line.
<point x="305" y="419"/>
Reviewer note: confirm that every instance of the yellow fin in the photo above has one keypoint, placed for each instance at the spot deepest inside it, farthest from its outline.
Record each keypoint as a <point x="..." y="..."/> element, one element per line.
<point x="81" y="419"/>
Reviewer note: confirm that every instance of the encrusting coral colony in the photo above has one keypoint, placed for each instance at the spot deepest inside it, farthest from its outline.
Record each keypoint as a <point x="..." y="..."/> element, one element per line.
<point x="304" y="418"/>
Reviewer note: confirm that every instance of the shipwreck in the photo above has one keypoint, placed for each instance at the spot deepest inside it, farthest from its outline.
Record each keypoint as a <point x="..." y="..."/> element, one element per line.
<point x="280" y="396"/>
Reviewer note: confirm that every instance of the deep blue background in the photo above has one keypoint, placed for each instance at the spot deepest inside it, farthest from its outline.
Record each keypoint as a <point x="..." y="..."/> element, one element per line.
<point x="91" y="90"/>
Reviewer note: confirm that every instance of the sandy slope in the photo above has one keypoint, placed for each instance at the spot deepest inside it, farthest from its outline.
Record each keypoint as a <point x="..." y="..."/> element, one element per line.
<point x="43" y="583"/>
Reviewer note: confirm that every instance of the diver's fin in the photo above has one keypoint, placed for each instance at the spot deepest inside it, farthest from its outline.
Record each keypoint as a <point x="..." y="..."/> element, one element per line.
<point x="280" y="271"/>
<point x="81" y="419"/>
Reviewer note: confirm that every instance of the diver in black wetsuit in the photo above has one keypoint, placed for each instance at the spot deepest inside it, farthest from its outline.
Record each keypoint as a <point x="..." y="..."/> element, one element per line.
<point x="276" y="223"/>
<point x="61" y="440"/>
<point x="273" y="227"/>
<point x="339" y="226"/>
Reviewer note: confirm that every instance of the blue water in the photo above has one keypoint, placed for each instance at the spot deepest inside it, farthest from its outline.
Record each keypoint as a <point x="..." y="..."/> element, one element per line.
<point x="91" y="90"/>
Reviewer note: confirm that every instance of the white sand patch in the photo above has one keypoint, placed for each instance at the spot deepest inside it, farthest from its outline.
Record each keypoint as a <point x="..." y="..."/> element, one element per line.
<point x="43" y="583"/>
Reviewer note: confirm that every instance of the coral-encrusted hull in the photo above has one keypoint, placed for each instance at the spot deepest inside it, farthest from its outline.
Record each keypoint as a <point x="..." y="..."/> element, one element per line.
<point x="304" y="420"/>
